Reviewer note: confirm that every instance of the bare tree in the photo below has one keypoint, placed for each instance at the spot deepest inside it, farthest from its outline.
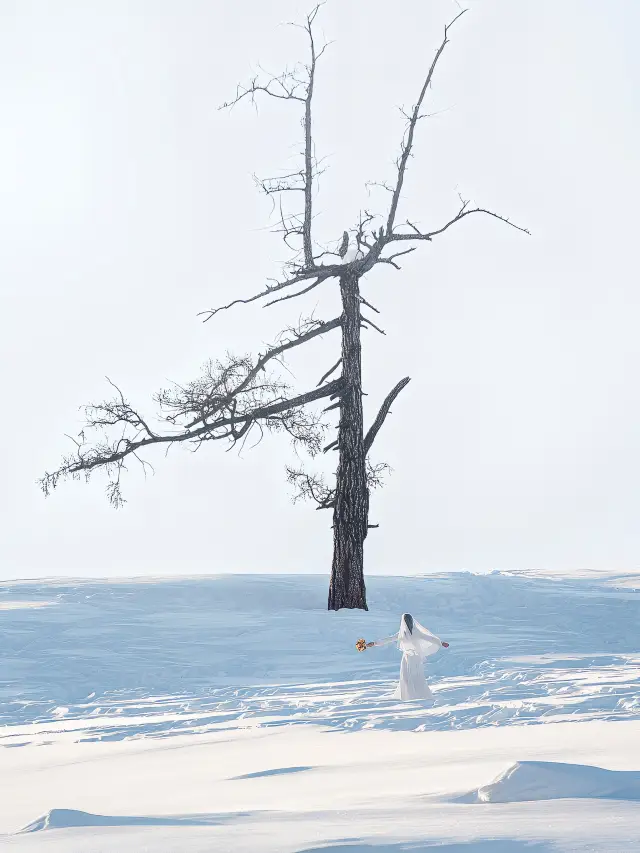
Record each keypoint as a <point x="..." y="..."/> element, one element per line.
<point x="236" y="396"/>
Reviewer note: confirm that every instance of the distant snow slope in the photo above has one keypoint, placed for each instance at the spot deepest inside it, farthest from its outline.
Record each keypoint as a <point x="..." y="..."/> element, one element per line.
<point x="158" y="657"/>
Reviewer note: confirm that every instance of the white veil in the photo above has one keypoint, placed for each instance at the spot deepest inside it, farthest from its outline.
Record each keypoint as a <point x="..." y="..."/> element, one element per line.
<point x="419" y="642"/>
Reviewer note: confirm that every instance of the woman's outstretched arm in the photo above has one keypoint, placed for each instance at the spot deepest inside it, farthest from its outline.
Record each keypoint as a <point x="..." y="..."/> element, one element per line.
<point x="384" y="642"/>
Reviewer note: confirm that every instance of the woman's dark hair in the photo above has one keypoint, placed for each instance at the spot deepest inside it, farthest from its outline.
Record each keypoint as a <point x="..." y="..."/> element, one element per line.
<point x="408" y="621"/>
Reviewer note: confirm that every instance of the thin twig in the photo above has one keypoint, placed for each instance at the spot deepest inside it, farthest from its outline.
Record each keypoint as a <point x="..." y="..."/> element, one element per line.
<point x="373" y="325"/>
<point x="369" y="305"/>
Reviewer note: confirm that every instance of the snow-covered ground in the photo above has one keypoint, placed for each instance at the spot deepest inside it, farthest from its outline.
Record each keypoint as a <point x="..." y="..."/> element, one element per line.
<point x="233" y="713"/>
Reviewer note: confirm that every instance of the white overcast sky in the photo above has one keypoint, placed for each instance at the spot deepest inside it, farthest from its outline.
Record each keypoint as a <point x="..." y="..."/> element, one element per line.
<point x="127" y="206"/>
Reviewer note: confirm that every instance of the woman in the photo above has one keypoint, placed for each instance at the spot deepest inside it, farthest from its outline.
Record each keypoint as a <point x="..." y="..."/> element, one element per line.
<point x="416" y="643"/>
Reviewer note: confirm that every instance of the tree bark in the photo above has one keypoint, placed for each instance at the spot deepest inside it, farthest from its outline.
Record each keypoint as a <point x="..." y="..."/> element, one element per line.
<point x="351" y="509"/>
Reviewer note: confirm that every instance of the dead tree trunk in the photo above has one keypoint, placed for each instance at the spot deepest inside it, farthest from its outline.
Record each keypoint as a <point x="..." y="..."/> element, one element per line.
<point x="351" y="508"/>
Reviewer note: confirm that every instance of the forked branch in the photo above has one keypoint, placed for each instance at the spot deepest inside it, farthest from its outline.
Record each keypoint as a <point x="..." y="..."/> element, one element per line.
<point x="407" y="142"/>
<point x="225" y="402"/>
<point x="314" y="487"/>
<point x="292" y="337"/>
<point x="296" y="84"/>
<point x="320" y="274"/>
<point x="465" y="210"/>
<point x="406" y="151"/>
<point x="310" y="487"/>
<point x="282" y="414"/>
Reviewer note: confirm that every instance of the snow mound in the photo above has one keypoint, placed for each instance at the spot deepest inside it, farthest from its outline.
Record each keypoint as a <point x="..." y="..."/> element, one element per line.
<point x="66" y="818"/>
<point x="546" y="780"/>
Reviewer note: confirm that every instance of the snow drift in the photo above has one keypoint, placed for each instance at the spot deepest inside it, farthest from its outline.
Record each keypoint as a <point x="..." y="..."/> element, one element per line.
<point x="68" y="818"/>
<point x="546" y="780"/>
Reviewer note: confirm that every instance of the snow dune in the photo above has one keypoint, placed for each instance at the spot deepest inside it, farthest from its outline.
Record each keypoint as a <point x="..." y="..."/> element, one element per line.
<point x="545" y="780"/>
<point x="66" y="818"/>
<point x="291" y="789"/>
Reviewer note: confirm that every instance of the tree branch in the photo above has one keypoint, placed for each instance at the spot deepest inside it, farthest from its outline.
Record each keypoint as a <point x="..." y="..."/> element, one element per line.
<point x="284" y="413"/>
<point x="295" y="295"/>
<point x="335" y="387"/>
<point x="310" y="486"/>
<point x="306" y="332"/>
<point x="464" y="211"/>
<point x="321" y="273"/>
<point x="373" y="325"/>
<point x="391" y="258"/>
<point x="308" y="164"/>
<point x="289" y="86"/>
<point x="407" y="143"/>
<point x="369" y="305"/>
<point x="382" y="414"/>
<point x="314" y="487"/>
<point x="330" y="371"/>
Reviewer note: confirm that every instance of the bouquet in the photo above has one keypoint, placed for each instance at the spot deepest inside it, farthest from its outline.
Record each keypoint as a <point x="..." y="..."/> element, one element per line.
<point x="361" y="645"/>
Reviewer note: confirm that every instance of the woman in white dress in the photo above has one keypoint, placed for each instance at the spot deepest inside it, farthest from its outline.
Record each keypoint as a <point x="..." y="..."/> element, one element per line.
<point x="416" y="643"/>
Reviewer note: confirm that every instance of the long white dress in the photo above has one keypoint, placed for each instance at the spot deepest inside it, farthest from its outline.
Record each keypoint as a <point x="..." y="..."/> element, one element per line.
<point x="415" y="647"/>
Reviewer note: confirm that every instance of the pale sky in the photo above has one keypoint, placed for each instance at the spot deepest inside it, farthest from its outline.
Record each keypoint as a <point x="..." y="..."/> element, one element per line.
<point x="127" y="206"/>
